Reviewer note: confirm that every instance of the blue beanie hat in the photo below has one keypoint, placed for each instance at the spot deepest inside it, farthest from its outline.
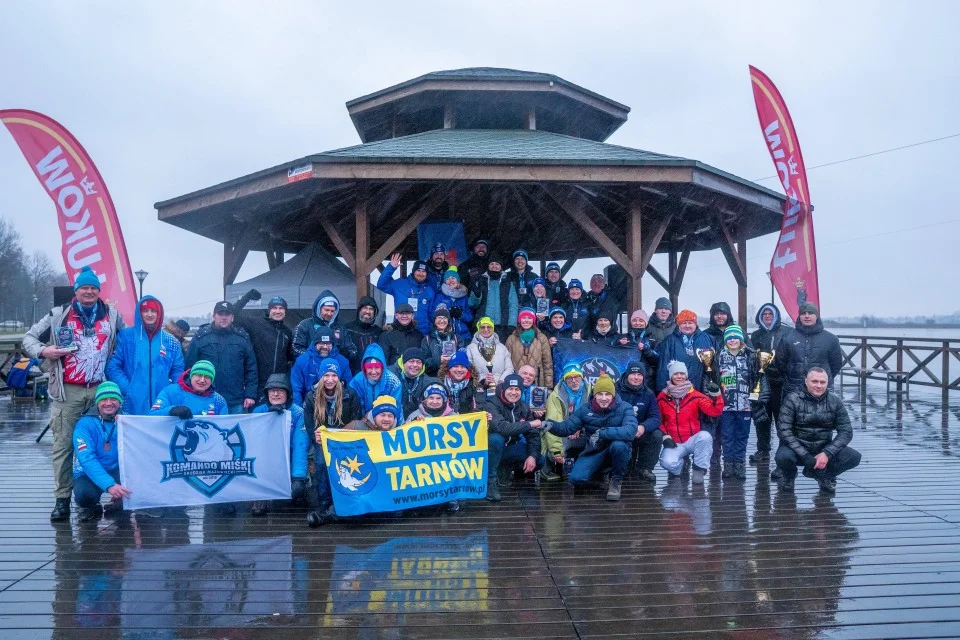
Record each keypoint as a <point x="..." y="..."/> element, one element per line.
<point x="575" y="284"/>
<point x="329" y="364"/>
<point x="555" y="310"/>
<point x="385" y="403"/>
<point x="521" y="252"/>
<point x="733" y="331"/>
<point x="459" y="358"/>
<point x="86" y="278"/>
<point x="537" y="281"/>
<point x="438" y="248"/>
<point x="435" y="390"/>
<point x="552" y="266"/>
<point x="451" y="272"/>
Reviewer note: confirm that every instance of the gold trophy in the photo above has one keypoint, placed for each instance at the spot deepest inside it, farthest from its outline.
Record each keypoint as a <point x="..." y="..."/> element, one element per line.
<point x="706" y="357"/>
<point x="764" y="358"/>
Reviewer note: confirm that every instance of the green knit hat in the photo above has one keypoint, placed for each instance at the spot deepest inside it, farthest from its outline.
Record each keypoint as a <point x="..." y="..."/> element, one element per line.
<point x="203" y="368"/>
<point x="108" y="390"/>
<point x="733" y="331"/>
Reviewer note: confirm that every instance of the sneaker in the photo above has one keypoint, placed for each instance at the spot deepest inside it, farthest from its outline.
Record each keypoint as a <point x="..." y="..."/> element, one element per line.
<point x="151" y="513"/>
<point x="493" y="491"/>
<point x="776" y="474"/>
<point x="548" y="473"/>
<point x="827" y="484"/>
<point x="452" y="507"/>
<point x="258" y="508"/>
<point x="61" y="510"/>
<point x="698" y="474"/>
<point x="740" y="471"/>
<point x="785" y="484"/>
<point x="114" y="507"/>
<point x="759" y="457"/>
<point x="86" y="514"/>
<point x="647" y="476"/>
<point x="613" y="491"/>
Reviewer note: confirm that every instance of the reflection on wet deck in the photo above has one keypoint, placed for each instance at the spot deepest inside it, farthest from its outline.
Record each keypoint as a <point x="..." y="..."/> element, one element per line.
<point x="881" y="559"/>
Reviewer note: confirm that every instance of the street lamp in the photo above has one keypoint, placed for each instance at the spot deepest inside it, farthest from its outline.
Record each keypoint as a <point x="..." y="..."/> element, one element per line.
<point x="772" y="300"/>
<point x="141" y="276"/>
<point x="34" y="309"/>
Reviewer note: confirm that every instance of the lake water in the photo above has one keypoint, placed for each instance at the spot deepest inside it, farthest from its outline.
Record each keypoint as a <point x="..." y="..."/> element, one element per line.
<point x="941" y="333"/>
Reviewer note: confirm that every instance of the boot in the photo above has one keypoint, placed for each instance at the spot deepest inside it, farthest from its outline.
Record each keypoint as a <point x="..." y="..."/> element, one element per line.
<point x="740" y="470"/>
<point x="727" y="470"/>
<point x="258" y="508"/>
<point x="647" y="476"/>
<point x="114" y="507"/>
<point x="613" y="491"/>
<point x="776" y="474"/>
<point x="827" y="484"/>
<point x="61" y="510"/>
<point x="86" y="514"/>
<point x="685" y="472"/>
<point x="493" y="491"/>
<point x="785" y="484"/>
<point x="453" y="506"/>
<point x="698" y="474"/>
<point x="759" y="457"/>
<point x="319" y="518"/>
<point x="503" y="476"/>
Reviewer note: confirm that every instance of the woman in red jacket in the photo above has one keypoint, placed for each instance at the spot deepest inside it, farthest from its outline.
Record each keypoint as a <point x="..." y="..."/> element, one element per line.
<point x="680" y="409"/>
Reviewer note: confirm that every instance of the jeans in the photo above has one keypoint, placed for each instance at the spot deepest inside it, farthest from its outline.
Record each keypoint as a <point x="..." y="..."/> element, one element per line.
<point x="499" y="454"/>
<point x="735" y="431"/>
<point x="63" y="418"/>
<point x="86" y="493"/>
<point x="646" y="449"/>
<point x="321" y="480"/>
<point x="787" y="461"/>
<point x="700" y="446"/>
<point x="615" y="455"/>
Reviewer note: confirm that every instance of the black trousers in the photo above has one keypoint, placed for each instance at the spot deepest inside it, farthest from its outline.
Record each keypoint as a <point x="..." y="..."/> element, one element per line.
<point x="764" y="430"/>
<point x="787" y="461"/>
<point x="646" y="450"/>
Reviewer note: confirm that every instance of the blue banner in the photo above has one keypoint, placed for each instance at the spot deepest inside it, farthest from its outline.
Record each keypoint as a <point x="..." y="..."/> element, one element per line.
<point x="414" y="465"/>
<point x="593" y="358"/>
<point x="449" y="234"/>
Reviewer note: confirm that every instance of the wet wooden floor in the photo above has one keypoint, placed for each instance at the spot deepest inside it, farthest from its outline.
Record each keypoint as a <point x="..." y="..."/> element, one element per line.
<point x="881" y="559"/>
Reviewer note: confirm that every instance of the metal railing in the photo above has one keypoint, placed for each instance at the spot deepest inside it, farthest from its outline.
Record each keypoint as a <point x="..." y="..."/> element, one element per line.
<point x="929" y="362"/>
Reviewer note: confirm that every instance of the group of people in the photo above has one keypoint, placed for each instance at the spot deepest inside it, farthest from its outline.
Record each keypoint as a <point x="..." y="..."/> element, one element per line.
<point x="478" y="337"/>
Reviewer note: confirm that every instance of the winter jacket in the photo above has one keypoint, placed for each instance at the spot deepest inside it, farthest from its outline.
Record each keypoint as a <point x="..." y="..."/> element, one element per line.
<point x="803" y="349"/>
<point x="578" y="315"/>
<point x="362" y="335"/>
<point x="616" y="422"/>
<point x="537" y="354"/>
<point x="768" y="339"/>
<point x="507" y="300"/>
<point x="432" y="346"/>
<point x="143" y="364"/>
<point x="502" y="364"/>
<point x="435" y="276"/>
<point x="181" y="394"/>
<point x="43" y="334"/>
<point x="306" y="372"/>
<point x="411" y="389"/>
<point x="95" y="449"/>
<point x="512" y="421"/>
<point x="454" y="298"/>
<point x="604" y="302"/>
<point x="644" y="403"/>
<point x="737" y="375"/>
<point x="658" y="331"/>
<point x="649" y="353"/>
<point x="299" y="439"/>
<point x="472" y="268"/>
<point x="303" y="334"/>
<point x="464" y="400"/>
<point x="349" y="412"/>
<point x="387" y="385"/>
<point x="714" y="330"/>
<point x="806" y="425"/>
<point x="397" y="338"/>
<point x="550" y="332"/>
<point x="556" y="291"/>
<point x="674" y="348"/>
<point x="272" y="342"/>
<point x="560" y="404"/>
<point x="232" y="356"/>
<point x="681" y="420"/>
<point x="422" y="413"/>
<point x="522" y="283"/>
<point x="419" y="296"/>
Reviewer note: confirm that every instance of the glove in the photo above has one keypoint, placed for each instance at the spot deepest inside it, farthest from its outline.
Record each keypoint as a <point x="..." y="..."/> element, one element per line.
<point x="456" y="313"/>
<point x="277" y="408"/>
<point x="181" y="412"/>
<point x="298" y="488"/>
<point x="595" y="439"/>
<point x="545" y="425"/>
<point x="253" y="294"/>
<point x="712" y="389"/>
<point x="668" y="443"/>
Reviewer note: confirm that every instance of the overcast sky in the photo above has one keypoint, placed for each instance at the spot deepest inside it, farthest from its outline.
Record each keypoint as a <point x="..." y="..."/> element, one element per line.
<point x="171" y="97"/>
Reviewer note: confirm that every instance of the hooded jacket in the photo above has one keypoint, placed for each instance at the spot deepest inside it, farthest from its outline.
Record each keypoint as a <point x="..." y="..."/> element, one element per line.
<point x="411" y="389"/>
<point x="454" y="298"/>
<point x="361" y="334"/>
<point x="616" y="422"/>
<point x="512" y="421"/>
<point x="143" y="363"/>
<point x="303" y="335"/>
<point x="537" y="354"/>
<point x="232" y="356"/>
<point x="660" y="329"/>
<point x="805" y="348"/>
<point x="806" y="425"/>
<point x="182" y="394"/>
<point x="306" y="371"/>
<point x="675" y="348"/>
<point x="95" y="449"/>
<point x="768" y="338"/>
<point x="714" y="330"/>
<point x="387" y="385"/>
<point x="397" y="338"/>
<point x="681" y="419"/>
<point x="272" y="342"/>
<point x="419" y="296"/>
<point x="299" y="439"/>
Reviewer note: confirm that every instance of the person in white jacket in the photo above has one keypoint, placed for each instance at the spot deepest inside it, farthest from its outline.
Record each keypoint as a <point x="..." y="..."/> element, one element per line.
<point x="488" y="357"/>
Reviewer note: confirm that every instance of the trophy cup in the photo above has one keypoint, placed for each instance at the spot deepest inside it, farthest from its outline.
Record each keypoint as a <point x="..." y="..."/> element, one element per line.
<point x="488" y="353"/>
<point x="764" y="358"/>
<point x="706" y="357"/>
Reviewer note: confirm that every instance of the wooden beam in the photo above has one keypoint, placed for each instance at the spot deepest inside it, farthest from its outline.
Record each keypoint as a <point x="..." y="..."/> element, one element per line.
<point x="430" y="204"/>
<point x="729" y="249"/>
<point x="588" y="225"/>
<point x="361" y="272"/>
<point x="565" y="269"/>
<point x="652" y="240"/>
<point x="338" y="241"/>
<point x="742" y="289"/>
<point x="635" y="253"/>
<point x="658" y="277"/>
<point x="676" y="281"/>
<point x="235" y="253"/>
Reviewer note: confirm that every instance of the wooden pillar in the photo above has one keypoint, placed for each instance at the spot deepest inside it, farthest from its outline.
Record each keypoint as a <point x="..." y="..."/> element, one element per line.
<point x="361" y="269"/>
<point x="742" y="286"/>
<point x="543" y="269"/>
<point x="676" y="279"/>
<point x="235" y="251"/>
<point x="635" y="253"/>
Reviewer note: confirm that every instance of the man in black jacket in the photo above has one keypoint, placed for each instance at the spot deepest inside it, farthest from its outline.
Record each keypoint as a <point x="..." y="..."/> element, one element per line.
<point x="632" y="389"/>
<point x="476" y="265"/>
<point x="493" y="296"/>
<point x="363" y="331"/>
<point x="514" y="439"/>
<point x="810" y="345"/>
<point x="521" y="277"/>
<point x="767" y="338"/>
<point x="272" y="339"/>
<point x="721" y="317"/>
<point x="228" y="348"/>
<point x="400" y="335"/>
<point x="808" y="419"/>
<point x="326" y="309"/>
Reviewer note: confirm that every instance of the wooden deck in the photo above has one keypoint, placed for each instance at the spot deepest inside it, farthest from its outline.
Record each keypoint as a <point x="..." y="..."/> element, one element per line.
<point x="881" y="559"/>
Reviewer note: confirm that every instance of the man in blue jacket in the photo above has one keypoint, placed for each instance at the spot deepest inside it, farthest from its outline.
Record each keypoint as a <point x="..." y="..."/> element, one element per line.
<point x="231" y="352"/>
<point x="610" y="427"/>
<point x="279" y="397"/>
<point x="306" y="371"/>
<point x="96" y="467"/>
<point x="413" y="290"/>
<point x="633" y="389"/>
<point x="682" y="346"/>
<point x="374" y="380"/>
<point x="191" y="395"/>
<point x="145" y="360"/>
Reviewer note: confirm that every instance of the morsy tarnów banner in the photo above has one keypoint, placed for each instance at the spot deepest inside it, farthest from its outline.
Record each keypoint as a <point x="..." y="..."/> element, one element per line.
<point x="167" y="462"/>
<point x="793" y="267"/>
<point x="414" y="465"/>
<point x="89" y="227"/>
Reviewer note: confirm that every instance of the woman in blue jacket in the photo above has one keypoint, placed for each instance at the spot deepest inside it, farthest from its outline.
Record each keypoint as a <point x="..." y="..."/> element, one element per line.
<point x="279" y="397"/>
<point x="191" y="395"/>
<point x="453" y="296"/>
<point x="306" y="370"/>
<point x="146" y="358"/>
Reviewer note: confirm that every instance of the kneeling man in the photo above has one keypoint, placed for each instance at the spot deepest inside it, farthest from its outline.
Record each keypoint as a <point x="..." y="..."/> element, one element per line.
<point x="96" y="468"/>
<point x="806" y="424"/>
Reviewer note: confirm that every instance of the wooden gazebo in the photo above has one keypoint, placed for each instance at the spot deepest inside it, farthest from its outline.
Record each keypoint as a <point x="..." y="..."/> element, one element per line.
<point x="518" y="156"/>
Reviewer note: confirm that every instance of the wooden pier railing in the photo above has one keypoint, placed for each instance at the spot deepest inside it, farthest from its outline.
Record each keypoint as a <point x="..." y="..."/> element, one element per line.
<point x="929" y="362"/>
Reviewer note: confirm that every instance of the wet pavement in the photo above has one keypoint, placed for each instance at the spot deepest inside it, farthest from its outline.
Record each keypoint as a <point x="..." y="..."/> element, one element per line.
<point x="881" y="559"/>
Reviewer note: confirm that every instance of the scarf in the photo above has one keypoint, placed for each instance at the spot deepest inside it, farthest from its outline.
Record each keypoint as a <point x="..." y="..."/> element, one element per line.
<point x="687" y="343"/>
<point x="455" y="293"/>
<point x="486" y="344"/>
<point x="454" y="388"/>
<point x="433" y="413"/>
<point x="575" y="397"/>
<point x="677" y="391"/>
<point x="527" y="336"/>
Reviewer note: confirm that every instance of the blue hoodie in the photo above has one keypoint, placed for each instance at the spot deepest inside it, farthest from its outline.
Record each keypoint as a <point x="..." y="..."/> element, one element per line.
<point x="410" y="291"/>
<point x="143" y="364"/>
<point x="306" y="371"/>
<point x="388" y="385"/>
<point x="299" y="440"/>
<point x="92" y="457"/>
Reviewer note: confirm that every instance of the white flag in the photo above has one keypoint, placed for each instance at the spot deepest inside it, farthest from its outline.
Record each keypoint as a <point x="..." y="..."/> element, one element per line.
<point x="167" y="462"/>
